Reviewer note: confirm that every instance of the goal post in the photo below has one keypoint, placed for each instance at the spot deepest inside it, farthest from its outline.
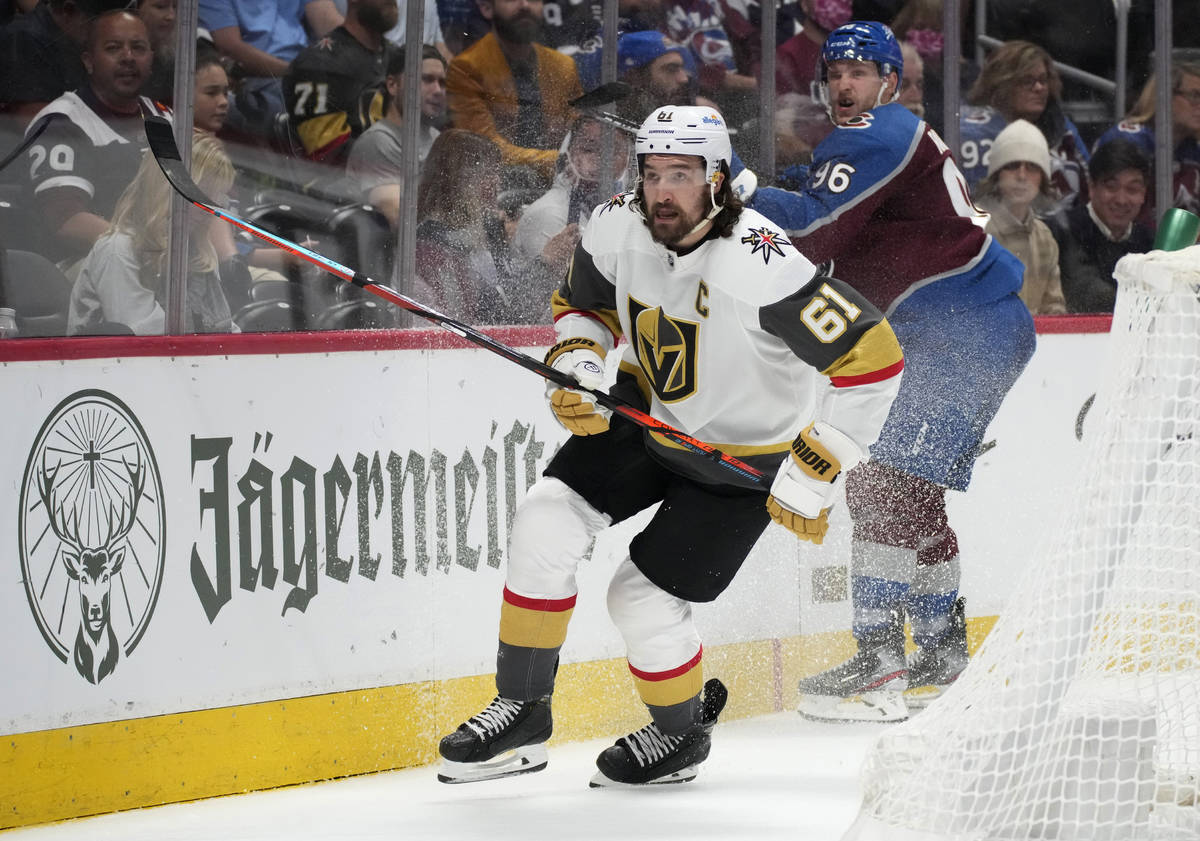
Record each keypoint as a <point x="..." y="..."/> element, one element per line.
<point x="1079" y="717"/>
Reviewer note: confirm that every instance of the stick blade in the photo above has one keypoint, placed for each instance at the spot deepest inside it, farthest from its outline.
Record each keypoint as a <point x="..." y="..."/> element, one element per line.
<point x="602" y="95"/>
<point x="161" y="136"/>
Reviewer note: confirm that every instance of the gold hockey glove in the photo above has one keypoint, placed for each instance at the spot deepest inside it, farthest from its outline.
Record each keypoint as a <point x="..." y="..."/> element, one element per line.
<point x="578" y="411"/>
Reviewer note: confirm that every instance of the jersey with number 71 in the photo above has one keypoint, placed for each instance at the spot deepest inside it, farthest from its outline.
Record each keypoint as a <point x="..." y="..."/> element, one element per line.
<point x="886" y="203"/>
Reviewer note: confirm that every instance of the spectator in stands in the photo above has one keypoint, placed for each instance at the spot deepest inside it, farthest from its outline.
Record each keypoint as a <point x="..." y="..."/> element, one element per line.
<point x="1018" y="178"/>
<point x="743" y="24"/>
<point x="263" y="39"/>
<point x="431" y="27"/>
<point x="431" y="31"/>
<point x="797" y="59"/>
<point x="576" y="29"/>
<point x="1019" y="80"/>
<point x="210" y="103"/>
<point x="550" y="227"/>
<point x="123" y="279"/>
<point x="918" y="27"/>
<point x="456" y="273"/>
<point x="159" y="17"/>
<point x="334" y="88"/>
<point x="376" y="164"/>
<point x="512" y="90"/>
<point x="86" y="157"/>
<point x="462" y="23"/>
<point x="700" y="24"/>
<point x="40" y="55"/>
<point x="659" y="71"/>
<point x="1138" y="127"/>
<point x="241" y="263"/>
<point x="912" y="87"/>
<point x="14" y="8"/>
<point x="1093" y="236"/>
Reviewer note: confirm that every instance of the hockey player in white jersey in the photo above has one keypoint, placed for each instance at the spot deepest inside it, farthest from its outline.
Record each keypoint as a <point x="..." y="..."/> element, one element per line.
<point x="731" y="337"/>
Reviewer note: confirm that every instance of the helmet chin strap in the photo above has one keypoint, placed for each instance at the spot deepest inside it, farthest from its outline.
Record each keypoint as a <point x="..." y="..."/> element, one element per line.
<point x="716" y="208"/>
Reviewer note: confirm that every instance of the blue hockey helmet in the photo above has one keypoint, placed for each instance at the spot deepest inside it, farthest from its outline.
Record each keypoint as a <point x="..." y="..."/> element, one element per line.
<point x="864" y="40"/>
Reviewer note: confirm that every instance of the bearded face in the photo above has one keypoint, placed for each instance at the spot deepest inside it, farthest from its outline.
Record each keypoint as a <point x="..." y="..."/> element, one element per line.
<point x="517" y="21"/>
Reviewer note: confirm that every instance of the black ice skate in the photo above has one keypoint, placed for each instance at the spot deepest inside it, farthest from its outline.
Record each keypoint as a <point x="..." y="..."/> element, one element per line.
<point x="931" y="670"/>
<point x="651" y="757"/>
<point x="507" y="738"/>
<point x="867" y="687"/>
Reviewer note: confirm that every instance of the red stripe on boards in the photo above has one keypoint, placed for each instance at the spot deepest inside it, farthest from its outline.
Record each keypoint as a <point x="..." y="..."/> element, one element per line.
<point x="544" y="605"/>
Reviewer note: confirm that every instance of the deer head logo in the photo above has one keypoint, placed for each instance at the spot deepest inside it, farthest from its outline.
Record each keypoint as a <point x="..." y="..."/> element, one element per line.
<point x="93" y="566"/>
<point x="92" y="532"/>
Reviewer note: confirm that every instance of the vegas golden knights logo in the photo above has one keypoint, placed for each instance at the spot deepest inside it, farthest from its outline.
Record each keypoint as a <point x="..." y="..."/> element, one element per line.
<point x="666" y="350"/>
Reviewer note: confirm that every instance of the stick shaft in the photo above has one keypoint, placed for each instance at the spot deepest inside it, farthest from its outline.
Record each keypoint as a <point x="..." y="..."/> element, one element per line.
<point x="162" y="145"/>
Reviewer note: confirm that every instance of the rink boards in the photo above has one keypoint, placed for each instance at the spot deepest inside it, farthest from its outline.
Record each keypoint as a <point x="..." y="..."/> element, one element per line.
<point x="244" y="562"/>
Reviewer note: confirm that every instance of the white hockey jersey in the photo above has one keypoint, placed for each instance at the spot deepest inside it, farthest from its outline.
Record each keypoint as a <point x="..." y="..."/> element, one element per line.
<point x="738" y="342"/>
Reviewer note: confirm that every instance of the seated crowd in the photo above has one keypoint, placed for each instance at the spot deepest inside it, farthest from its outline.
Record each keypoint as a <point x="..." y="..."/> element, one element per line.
<point x="299" y="106"/>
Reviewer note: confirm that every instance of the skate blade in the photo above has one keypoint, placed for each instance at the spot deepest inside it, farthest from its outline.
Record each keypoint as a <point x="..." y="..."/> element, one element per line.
<point x="883" y="705"/>
<point x="683" y="775"/>
<point x="922" y="696"/>
<point x="522" y="760"/>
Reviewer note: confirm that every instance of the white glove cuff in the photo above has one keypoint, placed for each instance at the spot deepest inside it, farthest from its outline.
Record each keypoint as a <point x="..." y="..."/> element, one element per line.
<point x="841" y="445"/>
<point x="797" y="491"/>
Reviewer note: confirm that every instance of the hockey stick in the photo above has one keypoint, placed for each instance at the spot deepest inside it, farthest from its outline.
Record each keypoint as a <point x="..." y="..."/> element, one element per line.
<point x="162" y="145"/>
<point x="591" y="101"/>
<point x="602" y="95"/>
<point x="34" y="133"/>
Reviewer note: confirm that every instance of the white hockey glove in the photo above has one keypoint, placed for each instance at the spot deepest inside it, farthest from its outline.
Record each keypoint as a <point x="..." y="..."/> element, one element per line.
<point x="578" y="411"/>
<point x="802" y="493"/>
<point x="744" y="185"/>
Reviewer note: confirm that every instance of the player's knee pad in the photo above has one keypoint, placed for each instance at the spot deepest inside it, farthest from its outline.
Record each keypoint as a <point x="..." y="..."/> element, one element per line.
<point x="550" y="535"/>
<point x="894" y="508"/>
<point x="657" y="627"/>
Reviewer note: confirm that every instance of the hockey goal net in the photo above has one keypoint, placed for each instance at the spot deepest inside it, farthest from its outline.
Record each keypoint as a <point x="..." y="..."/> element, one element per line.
<point x="1079" y="718"/>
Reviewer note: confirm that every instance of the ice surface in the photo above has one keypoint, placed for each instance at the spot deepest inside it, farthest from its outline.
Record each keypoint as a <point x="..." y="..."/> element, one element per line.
<point x="772" y="777"/>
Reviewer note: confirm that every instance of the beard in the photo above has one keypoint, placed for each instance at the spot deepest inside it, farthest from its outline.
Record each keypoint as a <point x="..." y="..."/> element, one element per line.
<point x="670" y="229"/>
<point x="379" y="18"/>
<point x="523" y="28"/>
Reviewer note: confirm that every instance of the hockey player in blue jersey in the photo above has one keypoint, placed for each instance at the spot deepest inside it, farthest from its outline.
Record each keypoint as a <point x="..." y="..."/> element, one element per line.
<point x="885" y="204"/>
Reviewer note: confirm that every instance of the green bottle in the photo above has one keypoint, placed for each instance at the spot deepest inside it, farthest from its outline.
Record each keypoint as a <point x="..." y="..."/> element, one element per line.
<point x="1177" y="230"/>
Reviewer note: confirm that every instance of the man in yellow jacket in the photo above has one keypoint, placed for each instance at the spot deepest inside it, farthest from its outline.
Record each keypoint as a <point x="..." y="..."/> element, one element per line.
<point x="512" y="90"/>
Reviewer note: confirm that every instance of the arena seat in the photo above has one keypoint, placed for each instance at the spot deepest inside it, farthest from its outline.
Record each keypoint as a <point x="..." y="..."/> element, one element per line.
<point x="37" y="290"/>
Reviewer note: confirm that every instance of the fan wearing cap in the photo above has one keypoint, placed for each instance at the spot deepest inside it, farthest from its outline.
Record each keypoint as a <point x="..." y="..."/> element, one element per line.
<point x="884" y="202"/>
<point x="1018" y="180"/>
<point x="731" y="337"/>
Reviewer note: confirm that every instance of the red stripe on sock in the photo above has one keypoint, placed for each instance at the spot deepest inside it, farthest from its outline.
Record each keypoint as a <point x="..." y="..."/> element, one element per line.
<point x="670" y="673"/>
<point x="545" y="605"/>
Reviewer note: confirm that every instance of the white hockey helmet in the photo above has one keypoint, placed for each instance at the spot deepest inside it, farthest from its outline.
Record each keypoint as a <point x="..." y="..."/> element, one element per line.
<point x="686" y="130"/>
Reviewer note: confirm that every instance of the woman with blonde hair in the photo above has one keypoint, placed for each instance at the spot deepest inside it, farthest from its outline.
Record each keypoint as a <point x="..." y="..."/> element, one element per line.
<point x="1138" y="127"/>
<point x="1019" y="81"/>
<point x="1018" y="181"/>
<point x="123" y="280"/>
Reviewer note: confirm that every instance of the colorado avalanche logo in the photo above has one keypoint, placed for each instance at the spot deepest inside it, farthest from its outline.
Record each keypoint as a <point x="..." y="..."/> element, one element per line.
<point x="864" y="120"/>
<point x="616" y="201"/>
<point x="766" y="242"/>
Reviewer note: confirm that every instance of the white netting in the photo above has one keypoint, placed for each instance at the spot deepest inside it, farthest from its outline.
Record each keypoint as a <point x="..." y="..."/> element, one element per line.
<point x="1079" y="718"/>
